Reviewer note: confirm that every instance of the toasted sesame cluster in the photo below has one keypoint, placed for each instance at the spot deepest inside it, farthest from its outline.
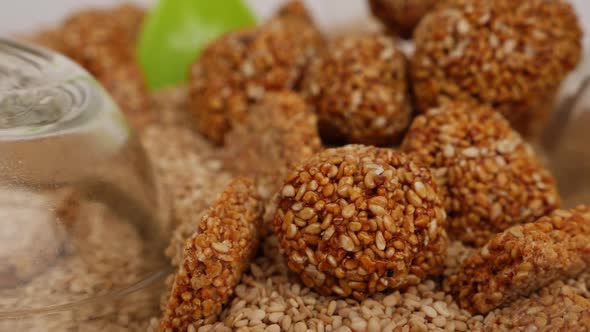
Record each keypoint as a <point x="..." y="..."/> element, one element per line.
<point x="489" y="177"/>
<point x="236" y="70"/>
<point x="358" y="220"/>
<point x="279" y="132"/>
<point x="215" y="258"/>
<point x="359" y="90"/>
<point x="107" y="51"/>
<point x="508" y="54"/>
<point x="401" y="16"/>
<point x="558" y="307"/>
<point x="523" y="259"/>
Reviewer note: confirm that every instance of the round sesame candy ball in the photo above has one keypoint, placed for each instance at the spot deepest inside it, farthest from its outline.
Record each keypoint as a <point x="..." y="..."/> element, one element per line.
<point x="236" y="70"/>
<point x="490" y="179"/>
<point x="357" y="220"/>
<point x="401" y="16"/>
<point x="508" y="54"/>
<point x="359" y="90"/>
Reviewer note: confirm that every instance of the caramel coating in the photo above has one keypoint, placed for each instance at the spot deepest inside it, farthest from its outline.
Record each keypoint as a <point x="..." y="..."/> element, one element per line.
<point x="215" y="258"/>
<point x="523" y="259"/>
<point x="357" y="220"/>
<point x="103" y="42"/>
<point x="511" y="55"/>
<point x="401" y="16"/>
<point x="358" y="88"/>
<point x="490" y="179"/>
<point x="236" y="70"/>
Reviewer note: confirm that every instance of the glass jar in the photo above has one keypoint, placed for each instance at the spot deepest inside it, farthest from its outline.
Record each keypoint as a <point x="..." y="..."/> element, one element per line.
<point x="82" y="227"/>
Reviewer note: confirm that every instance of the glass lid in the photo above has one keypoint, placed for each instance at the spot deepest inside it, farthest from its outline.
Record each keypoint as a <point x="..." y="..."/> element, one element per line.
<point x="79" y="209"/>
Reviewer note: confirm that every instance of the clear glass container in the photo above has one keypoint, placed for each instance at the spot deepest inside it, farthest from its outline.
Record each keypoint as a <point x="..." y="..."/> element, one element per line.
<point x="82" y="230"/>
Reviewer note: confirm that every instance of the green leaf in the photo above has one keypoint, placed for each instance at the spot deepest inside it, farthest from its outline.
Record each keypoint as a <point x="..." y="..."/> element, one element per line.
<point x="175" y="32"/>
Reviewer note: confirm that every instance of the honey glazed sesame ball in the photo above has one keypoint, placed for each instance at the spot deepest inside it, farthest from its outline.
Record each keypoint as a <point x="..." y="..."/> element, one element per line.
<point x="357" y="220"/>
<point x="511" y="55"/>
<point x="401" y="16"/>
<point x="489" y="178"/>
<point x="359" y="90"/>
<point x="236" y="70"/>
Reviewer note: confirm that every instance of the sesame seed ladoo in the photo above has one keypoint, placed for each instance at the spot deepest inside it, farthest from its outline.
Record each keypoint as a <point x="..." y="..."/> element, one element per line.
<point x="215" y="258"/>
<point x="279" y="132"/>
<point x="490" y="179"/>
<point x="401" y="16"/>
<point x="523" y="259"/>
<point x="508" y="54"/>
<point x="358" y="220"/>
<point x="107" y="51"/>
<point x="237" y="69"/>
<point x="359" y="90"/>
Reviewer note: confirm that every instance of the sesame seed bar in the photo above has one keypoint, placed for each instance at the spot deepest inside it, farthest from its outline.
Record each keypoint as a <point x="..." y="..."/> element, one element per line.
<point x="215" y="258"/>
<point x="523" y="259"/>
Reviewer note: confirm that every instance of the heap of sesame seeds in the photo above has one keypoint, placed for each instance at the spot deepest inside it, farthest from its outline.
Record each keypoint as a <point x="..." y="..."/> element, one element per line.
<point x="271" y="299"/>
<point x="357" y="220"/>
<point x="358" y="88"/>
<point x="237" y="69"/>
<point x="523" y="259"/>
<point x="558" y="307"/>
<point x="214" y="258"/>
<point x="489" y="177"/>
<point x="508" y="54"/>
<point x="401" y="16"/>
<point x="37" y="242"/>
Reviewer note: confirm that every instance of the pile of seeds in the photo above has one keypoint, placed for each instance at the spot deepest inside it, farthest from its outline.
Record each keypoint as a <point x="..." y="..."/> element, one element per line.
<point x="87" y="266"/>
<point x="270" y="299"/>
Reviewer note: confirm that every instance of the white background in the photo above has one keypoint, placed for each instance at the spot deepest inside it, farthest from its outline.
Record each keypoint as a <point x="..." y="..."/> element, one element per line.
<point x="18" y="16"/>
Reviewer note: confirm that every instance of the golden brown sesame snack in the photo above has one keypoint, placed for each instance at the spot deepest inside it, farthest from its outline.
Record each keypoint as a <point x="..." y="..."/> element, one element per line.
<point x="278" y="133"/>
<point x="489" y="177"/>
<point x="557" y="307"/>
<point x="236" y="70"/>
<point x="523" y="259"/>
<point x="107" y="51"/>
<point x="358" y="220"/>
<point x="401" y="16"/>
<point x="215" y="258"/>
<point x="508" y="54"/>
<point x="359" y="90"/>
